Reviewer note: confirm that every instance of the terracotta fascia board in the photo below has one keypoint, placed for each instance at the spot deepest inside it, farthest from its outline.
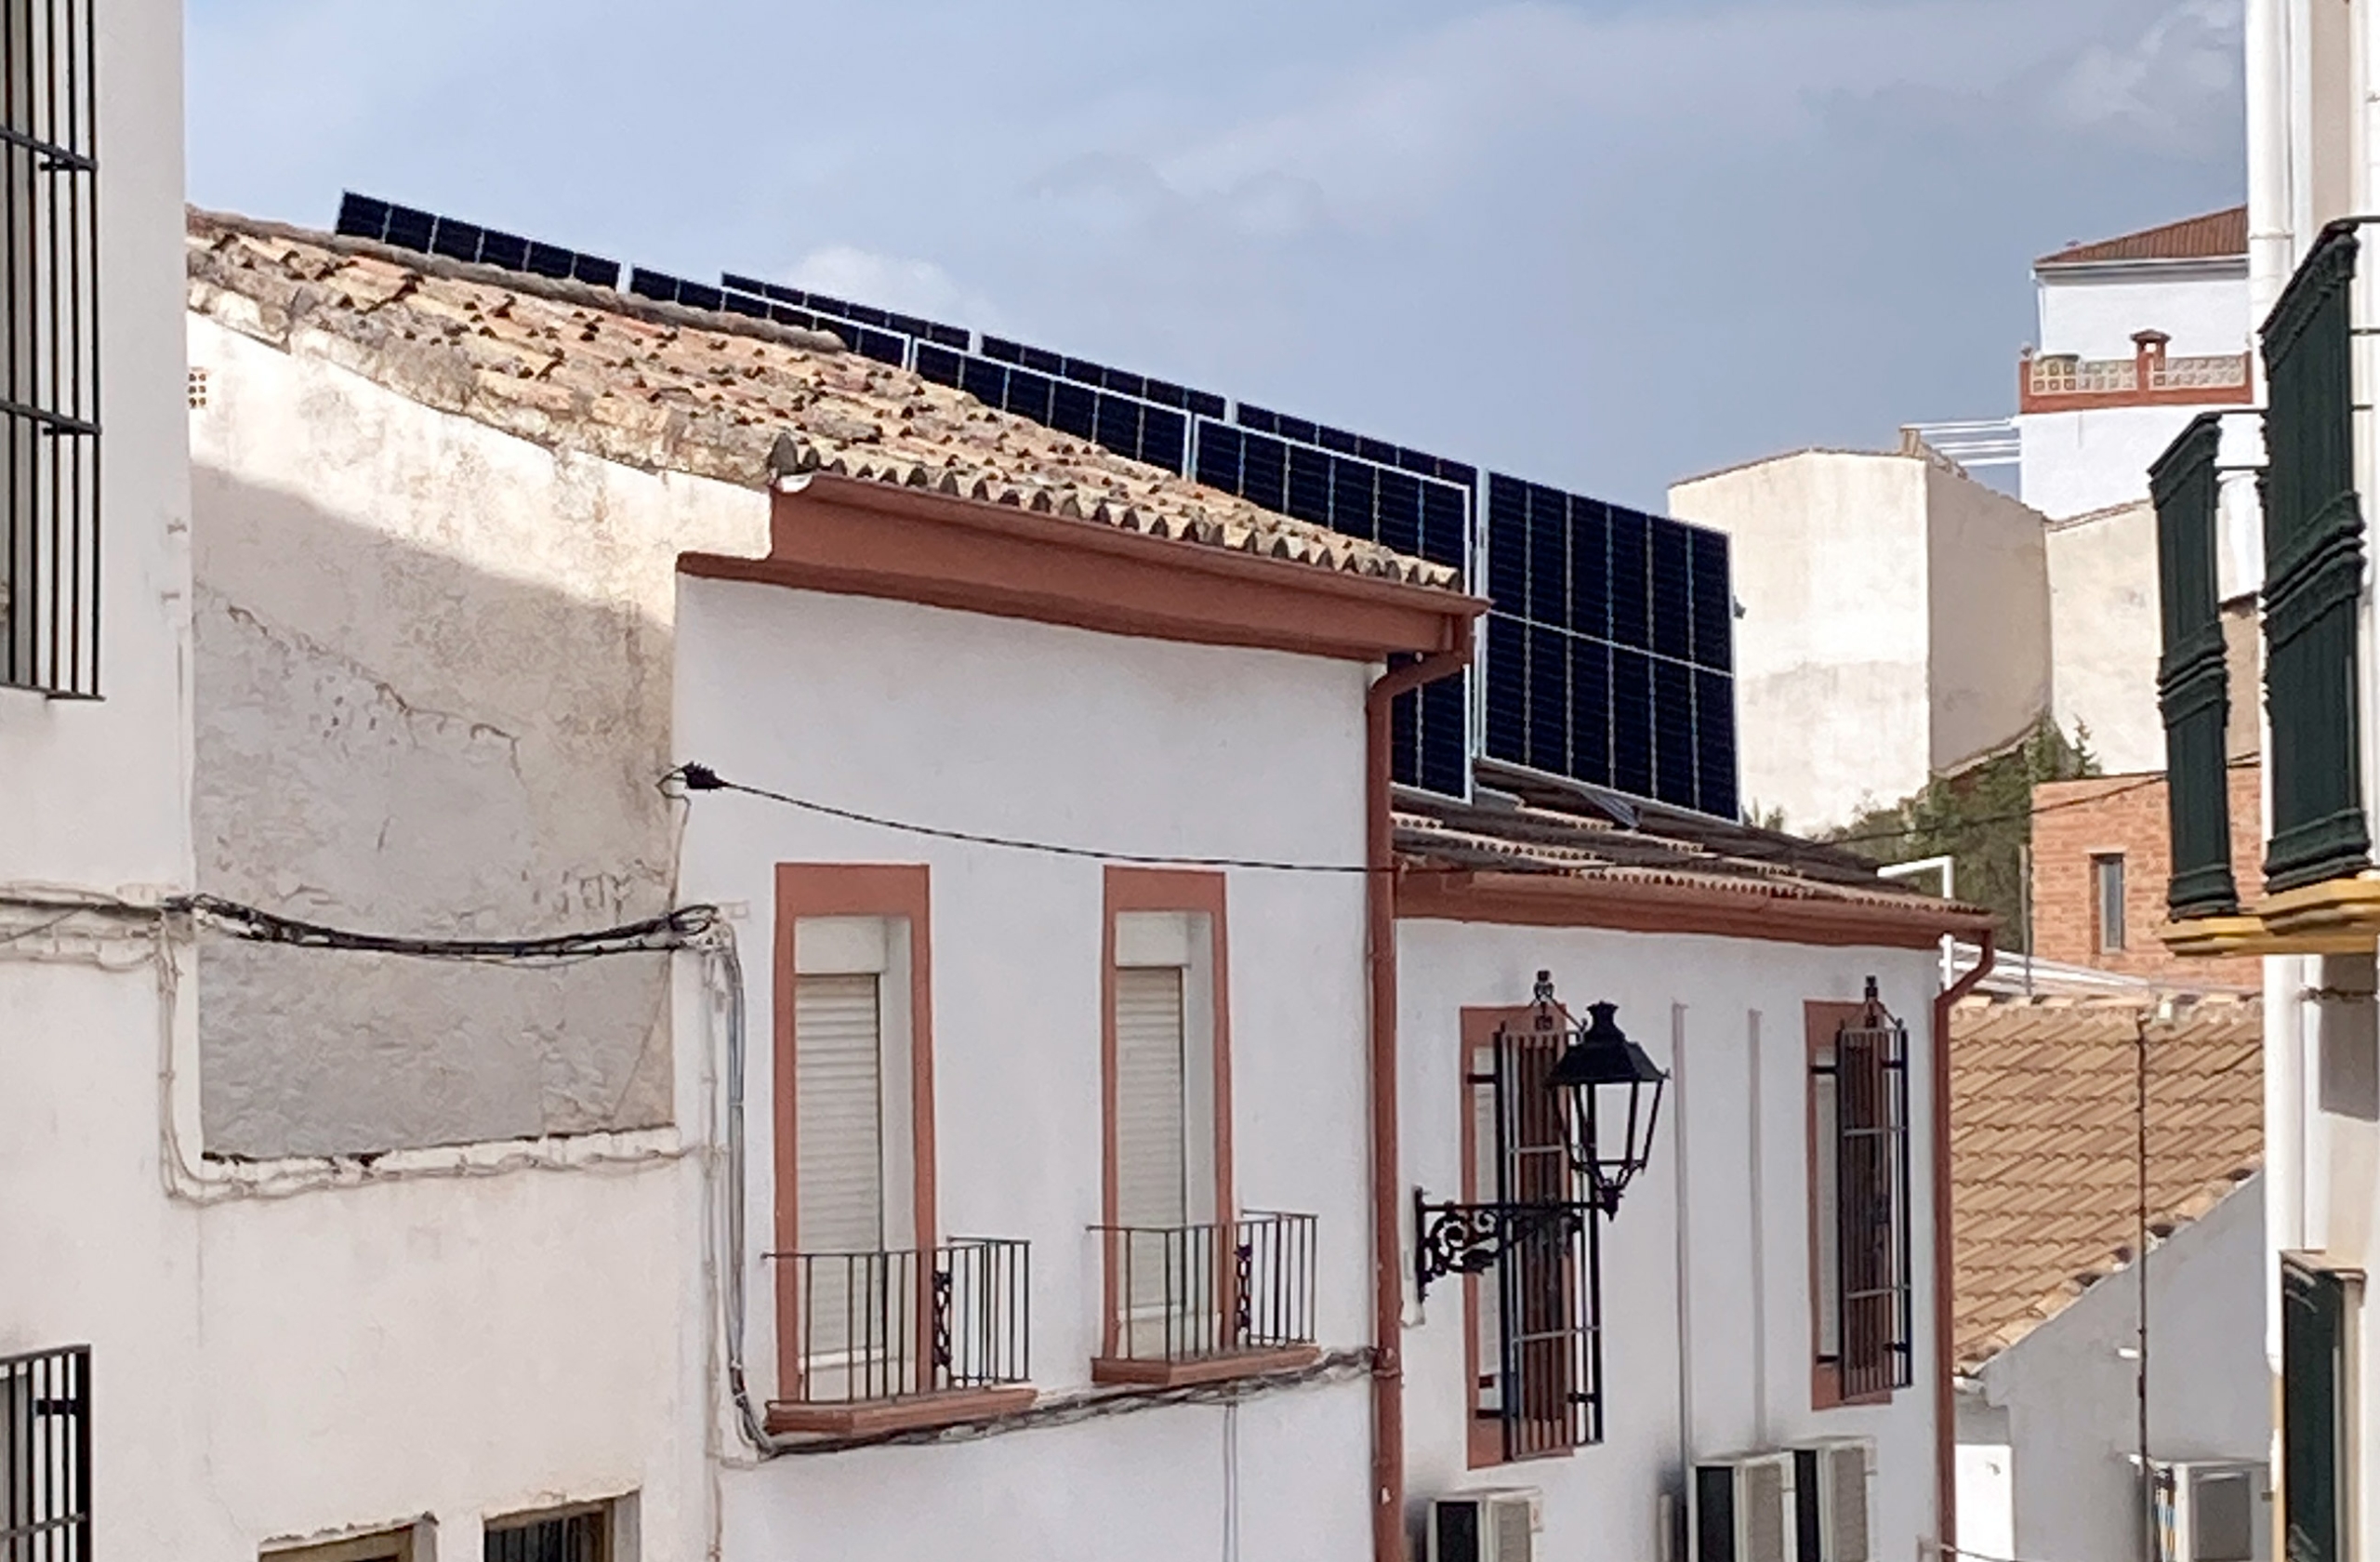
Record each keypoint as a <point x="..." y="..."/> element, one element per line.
<point x="2031" y="400"/>
<point x="1261" y="1362"/>
<point x="1635" y="905"/>
<point x="869" y="1417"/>
<point x="853" y="537"/>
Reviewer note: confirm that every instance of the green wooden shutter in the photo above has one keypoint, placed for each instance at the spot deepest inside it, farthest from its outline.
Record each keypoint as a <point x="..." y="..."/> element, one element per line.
<point x="2193" y="686"/>
<point x="2313" y="1319"/>
<point x="2313" y="574"/>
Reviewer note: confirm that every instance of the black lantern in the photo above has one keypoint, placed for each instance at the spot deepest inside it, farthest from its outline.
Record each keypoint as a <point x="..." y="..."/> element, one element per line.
<point x="1612" y="1098"/>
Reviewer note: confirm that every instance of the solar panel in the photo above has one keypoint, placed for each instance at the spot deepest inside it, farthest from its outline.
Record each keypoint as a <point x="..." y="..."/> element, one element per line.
<point x="365" y="216"/>
<point x="1607" y="654"/>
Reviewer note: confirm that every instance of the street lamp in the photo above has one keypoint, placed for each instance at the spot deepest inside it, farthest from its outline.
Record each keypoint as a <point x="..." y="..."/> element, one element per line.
<point x="1606" y="1081"/>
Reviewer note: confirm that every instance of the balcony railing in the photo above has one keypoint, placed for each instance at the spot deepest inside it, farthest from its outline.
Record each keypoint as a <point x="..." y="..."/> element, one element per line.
<point x="871" y="1327"/>
<point x="2149" y="376"/>
<point x="46" y="1456"/>
<point x="1206" y="1294"/>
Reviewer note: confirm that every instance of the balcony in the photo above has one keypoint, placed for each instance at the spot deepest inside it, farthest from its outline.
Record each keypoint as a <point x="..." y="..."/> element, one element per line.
<point x="2065" y="382"/>
<point x="1195" y="1303"/>
<point x="884" y="1342"/>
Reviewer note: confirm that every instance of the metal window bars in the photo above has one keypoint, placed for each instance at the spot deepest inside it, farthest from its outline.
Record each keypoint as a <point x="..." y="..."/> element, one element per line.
<point x="46" y="1456"/>
<point x="1873" y="1266"/>
<point x="577" y="1535"/>
<point x="891" y="1325"/>
<point x="50" y="365"/>
<point x="1184" y="1293"/>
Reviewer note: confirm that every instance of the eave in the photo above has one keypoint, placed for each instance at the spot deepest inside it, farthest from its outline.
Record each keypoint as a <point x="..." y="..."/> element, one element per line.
<point x="1647" y="906"/>
<point x="857" y="538"/>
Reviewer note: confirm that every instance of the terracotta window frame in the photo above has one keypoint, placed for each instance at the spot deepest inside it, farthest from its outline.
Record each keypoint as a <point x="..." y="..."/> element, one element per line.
<point x="1822" y="1019"/>
<point x="1204" y="893"/>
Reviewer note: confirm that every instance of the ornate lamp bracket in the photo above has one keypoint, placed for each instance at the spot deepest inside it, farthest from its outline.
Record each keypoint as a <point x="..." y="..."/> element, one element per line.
<point x="1469" y="1238"/>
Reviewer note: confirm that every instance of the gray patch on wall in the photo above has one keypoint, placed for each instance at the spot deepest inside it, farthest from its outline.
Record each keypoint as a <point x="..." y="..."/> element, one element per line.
<point x="324" y="792"/>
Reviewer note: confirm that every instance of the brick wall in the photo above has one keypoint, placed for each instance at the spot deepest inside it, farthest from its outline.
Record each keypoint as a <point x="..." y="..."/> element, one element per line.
<point x="2075" y="821"/>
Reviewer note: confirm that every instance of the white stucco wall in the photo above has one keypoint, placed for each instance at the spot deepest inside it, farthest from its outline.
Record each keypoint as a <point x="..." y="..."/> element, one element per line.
<point x="2071" y="1393"/>
<point x="433" y="696"/>
<point x="2105" y="635"/>
<point x="1738" y="1119"/>
<point x="1050" y="733"/>
<point x="1830" y="567"/>
<point x="1987" y="617"/>
<point x="2095" y="310"/>
<point x="2074" y="463"/>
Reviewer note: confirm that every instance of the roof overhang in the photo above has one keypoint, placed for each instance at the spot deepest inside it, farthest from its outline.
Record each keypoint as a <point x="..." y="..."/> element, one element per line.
<point x="1646" y="906"/>
<point x="2212" y="268"/>
<point x="854" y="537"/>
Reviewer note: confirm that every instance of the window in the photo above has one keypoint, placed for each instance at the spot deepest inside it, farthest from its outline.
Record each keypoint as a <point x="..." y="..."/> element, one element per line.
<point x="1861" y="1313"/>
<point x="2316" y="1410"/>
<point x="2106" y="897"/>
<point x="587" y="1532"/>
<point x="856" y="1247"/>
<point x="1534" y="1319"/>
<point x="49" y="351"/>
<point x="46" y="1456"/>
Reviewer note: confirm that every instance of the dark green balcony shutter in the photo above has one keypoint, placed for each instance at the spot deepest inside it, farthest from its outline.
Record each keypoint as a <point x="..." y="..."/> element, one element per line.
<point x="2313" y="1411"/>
<point x="2193" y="686"/>
<point x="2313" y="574"/>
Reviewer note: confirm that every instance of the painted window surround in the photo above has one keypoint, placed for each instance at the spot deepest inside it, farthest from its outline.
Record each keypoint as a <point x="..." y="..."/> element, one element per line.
<point x="1821" y="1020"/>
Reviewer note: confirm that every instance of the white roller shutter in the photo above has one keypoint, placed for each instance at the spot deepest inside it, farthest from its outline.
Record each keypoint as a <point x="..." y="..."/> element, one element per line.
<point x="839" y="1114"/>
<point x="1151" y="1167"/>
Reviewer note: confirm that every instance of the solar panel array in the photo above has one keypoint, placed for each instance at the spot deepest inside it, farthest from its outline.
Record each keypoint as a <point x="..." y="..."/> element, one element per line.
<point x="1607" y="658"/>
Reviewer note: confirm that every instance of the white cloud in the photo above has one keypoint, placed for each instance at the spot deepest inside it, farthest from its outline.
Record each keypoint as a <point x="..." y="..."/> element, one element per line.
<point x="890" y="282"/>
<point x="2170" y="84"/>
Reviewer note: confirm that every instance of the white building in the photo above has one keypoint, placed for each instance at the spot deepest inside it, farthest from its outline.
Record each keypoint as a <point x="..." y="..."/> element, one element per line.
<point x="2048" y="1097"/>
<point x="2138" y="335"/>
<point x="1893" y="623"/>
<point x="1080" y="1071"/>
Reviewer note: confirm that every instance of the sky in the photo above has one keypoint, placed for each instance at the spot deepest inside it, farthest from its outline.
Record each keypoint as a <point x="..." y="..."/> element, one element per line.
<point x="1602" y="244"/>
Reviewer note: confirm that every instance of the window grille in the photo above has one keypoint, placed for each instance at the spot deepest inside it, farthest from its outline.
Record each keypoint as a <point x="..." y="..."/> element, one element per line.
<point x="2315" y="1406"/>
<point x="580" y="1534"/>
<point x="1862" y="1086"/>
<point x="1541" y="1313"/>
<point x="49" y="369"/>
<point x="1227" y="1288"/>
<point x="46" y="1456"/>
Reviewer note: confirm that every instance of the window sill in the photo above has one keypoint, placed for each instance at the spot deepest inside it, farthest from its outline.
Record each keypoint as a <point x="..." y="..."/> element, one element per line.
<point x="1203" y="1369"/>
<point x="907" y="1414"/>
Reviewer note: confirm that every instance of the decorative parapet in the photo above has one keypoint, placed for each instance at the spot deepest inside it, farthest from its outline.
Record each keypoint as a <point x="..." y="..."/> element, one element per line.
<point x="2067" y="382"/>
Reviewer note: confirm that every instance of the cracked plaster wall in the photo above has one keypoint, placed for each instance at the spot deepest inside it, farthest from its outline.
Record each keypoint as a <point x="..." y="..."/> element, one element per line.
<point x="433" y="690"/>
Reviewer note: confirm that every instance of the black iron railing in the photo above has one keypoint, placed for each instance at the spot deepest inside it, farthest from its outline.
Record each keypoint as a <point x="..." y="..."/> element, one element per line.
<point x="1176" y="1293"/>
<point x="872" y="1326"/>
<point x="46" y="1456"/>
<point x="50" y="365"/>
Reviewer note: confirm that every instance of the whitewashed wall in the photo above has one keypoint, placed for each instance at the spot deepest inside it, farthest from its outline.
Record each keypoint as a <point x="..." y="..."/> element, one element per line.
<point x="432" y="696"/>
<point x="2096" y="312"/>
<point x="1732" y="1156"/>
<point x="1987" y="618"/>
<point x="2105" y="635"/>
<point x="2074" y="463"/>
<point x="1018" y="728"/>
<point x="2071" y="1393"/>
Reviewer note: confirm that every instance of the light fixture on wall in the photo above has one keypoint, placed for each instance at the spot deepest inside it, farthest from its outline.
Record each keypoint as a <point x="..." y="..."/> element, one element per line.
<point x="1607" y="1101"/>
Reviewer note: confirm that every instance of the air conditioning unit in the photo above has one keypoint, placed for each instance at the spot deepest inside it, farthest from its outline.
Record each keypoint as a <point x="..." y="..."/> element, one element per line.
<point x="1488" y="1526"/>
<point x="1830" y="1505"/>
<point x="1740" y="1509"/>
<point x="2212" y="1511"/>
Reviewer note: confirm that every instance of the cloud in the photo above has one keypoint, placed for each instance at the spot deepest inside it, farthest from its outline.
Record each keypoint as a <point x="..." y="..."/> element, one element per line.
<point x="891" y="282"/>
<point x="2176" y="84"/>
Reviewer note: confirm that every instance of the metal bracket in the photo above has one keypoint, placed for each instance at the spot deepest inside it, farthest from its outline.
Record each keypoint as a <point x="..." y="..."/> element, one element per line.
<point x="1469" y="1239"/>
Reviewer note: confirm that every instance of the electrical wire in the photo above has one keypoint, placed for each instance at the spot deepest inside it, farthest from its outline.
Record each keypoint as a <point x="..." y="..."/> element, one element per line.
<point x="702" y="779"/>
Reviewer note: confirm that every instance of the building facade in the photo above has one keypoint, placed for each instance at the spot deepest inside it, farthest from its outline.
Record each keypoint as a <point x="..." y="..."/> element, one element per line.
<point x="2101" y="862"/>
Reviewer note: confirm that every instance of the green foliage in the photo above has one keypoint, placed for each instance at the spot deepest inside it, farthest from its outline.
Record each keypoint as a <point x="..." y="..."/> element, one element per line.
<point x="1981" y="818"/>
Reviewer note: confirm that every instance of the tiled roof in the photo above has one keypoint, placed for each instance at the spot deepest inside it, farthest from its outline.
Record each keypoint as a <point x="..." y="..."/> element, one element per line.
<point x="666" y="388"/>
<point x="1526" y="823"/>
<point x="2216" y="236"/>
<point x="2044" y="1143"/>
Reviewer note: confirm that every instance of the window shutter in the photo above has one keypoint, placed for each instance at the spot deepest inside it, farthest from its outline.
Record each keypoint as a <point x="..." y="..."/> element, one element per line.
<point x="1152" y="1170"/>
<point x="838" y="1127"/>
<point x="2193" y="689"/>
<point x="2313" y="574"/>
<point x="2312" y="1412"/>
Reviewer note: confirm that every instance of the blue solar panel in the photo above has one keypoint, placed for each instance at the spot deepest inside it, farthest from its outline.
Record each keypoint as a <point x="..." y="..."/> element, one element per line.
<point x="360" y="217"/>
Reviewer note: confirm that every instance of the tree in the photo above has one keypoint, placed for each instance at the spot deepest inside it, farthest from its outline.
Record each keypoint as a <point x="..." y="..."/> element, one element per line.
<point x="1979" y="817"/>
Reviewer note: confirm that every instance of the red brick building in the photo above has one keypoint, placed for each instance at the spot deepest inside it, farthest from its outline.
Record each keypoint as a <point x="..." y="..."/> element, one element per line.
<point x="2100" y="864"/>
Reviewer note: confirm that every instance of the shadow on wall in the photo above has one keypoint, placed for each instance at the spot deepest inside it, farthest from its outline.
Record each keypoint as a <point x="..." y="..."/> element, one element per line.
<point x="392" y="740"/>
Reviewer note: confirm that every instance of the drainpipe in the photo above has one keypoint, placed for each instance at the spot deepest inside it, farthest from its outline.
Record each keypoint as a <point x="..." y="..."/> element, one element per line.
<point x="1388" y="1244"/>
<point x="1946" y="1435"/>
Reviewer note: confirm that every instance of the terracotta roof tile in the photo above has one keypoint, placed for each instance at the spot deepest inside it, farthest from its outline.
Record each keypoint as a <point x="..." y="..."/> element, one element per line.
<point x="2216" y="236"/>
<point x="666" y="388"/>
<point x="2043" y="1162"/>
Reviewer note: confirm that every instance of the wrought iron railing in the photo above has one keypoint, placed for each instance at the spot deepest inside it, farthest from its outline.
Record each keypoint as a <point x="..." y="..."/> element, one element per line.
<point x="1177" y="1293"/>
<point x="50" y="365"/>
<point x="875" y="1325"/>
<point x="46" y="1456"/>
